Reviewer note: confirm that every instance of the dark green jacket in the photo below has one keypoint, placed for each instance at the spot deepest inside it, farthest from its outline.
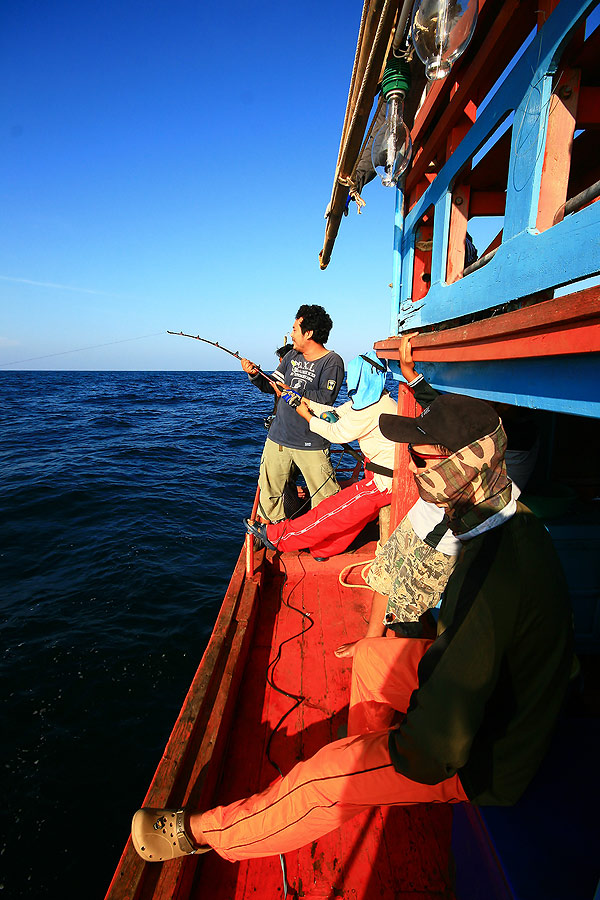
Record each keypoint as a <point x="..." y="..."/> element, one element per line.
<point x="492" y="683"/>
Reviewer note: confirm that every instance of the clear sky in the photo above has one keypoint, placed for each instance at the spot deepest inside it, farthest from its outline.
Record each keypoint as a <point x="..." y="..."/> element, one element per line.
<point x="166" y="165"/>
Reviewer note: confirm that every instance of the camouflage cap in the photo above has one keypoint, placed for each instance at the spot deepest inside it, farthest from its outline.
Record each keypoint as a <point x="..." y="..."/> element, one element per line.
<point x="452" y="420"/>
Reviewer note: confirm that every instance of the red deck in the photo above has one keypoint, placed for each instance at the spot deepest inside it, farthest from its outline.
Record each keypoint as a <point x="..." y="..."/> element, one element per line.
<point x="392" y="853"/>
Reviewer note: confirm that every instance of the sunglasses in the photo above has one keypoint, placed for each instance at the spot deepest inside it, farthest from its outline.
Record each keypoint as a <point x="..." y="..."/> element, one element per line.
<point x="420" y="459"/>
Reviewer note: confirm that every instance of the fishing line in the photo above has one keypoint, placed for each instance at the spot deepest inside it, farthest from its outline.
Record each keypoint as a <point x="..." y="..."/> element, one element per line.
<point x="140" y="337"/>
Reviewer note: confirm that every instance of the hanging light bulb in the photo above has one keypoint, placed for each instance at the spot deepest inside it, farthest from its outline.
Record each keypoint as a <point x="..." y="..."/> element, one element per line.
<point x="440" y="31"/>
<point x="392" y="146"/>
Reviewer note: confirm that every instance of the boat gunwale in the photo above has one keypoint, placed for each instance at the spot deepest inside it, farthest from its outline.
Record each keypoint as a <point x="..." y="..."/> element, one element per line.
<point x="189" y="767"/>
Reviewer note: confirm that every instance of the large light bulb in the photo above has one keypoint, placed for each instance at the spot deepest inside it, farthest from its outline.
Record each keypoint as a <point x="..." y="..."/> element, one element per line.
<point x="392" y="146"/>
<point x="440" y="32"/>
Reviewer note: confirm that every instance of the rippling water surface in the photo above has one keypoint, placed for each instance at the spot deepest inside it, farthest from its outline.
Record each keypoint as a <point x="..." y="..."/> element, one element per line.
<point x="121" y="503"/>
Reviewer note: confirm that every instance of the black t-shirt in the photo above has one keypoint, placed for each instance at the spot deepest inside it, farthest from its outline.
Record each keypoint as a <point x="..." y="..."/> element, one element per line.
<point x="319" y="380"/>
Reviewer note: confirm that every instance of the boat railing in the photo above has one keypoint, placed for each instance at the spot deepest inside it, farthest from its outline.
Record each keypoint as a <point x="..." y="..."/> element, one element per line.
<point x="190" y="766"/>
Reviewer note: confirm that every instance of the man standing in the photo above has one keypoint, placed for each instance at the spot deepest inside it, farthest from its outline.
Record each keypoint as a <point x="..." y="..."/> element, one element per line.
<point x="465" y="717"/>
<point x="317" y="374"/>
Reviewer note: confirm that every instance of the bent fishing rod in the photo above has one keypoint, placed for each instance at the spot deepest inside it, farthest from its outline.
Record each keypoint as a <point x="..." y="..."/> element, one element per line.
<point x="288" y="394"/>
<point x="196" y="337"/>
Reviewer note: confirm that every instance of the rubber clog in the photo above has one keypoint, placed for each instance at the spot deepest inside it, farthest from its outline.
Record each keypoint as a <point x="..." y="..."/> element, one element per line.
<point x="259" y="531"/>
<point x="159" y="834"/>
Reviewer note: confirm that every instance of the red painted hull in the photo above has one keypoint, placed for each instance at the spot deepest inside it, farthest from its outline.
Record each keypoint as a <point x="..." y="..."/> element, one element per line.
<point x="216" y="752"/>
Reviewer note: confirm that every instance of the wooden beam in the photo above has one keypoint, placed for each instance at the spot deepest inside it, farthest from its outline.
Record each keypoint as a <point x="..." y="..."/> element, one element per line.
<point x="377" y="32"/>
<point x="487" y="203"/>
<point x="565" y="325"/>
<point x="557" y="153"/>
<point x="459" y="220"/>
<point x="494" y="243"/>
<point x="200" y="733"/>
<point x="459" y="214"/>
<point x="422" y="267"/>
<point x="588" y="107"/>
<point x="404" y="489"/>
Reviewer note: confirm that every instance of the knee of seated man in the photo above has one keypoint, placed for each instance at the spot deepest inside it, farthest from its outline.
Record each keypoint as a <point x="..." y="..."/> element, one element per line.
<point x="365" y="651"/>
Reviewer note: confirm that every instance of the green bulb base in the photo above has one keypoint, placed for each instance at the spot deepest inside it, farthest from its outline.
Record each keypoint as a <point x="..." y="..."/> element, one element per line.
<point x="396" y="76"/>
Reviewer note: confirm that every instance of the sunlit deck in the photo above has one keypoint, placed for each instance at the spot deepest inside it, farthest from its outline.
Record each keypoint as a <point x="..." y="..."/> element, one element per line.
<point x="218" y="747"/>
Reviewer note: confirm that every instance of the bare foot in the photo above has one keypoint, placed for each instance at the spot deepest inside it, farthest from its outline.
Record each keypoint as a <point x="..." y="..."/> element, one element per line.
<point x="345" y="650"/>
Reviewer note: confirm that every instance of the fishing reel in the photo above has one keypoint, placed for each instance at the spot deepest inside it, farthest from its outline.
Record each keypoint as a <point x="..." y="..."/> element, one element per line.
<point x="291" y="397"/>
<point x="329" y="416"/>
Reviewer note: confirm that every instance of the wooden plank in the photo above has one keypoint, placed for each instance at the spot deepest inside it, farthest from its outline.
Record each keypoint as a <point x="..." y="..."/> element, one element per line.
<point x="557" y="152"/>
<point x="565" y="325"/>
<point x="487" y="203"/>
<point x="565" y="384"/>
<point x="422" y="266"/>
<point x="134" y="878"/>
<point x="491" y="172"/>
<point x="588" y="107"/>
<point x="404" y="491"/>
<point x="459" y="222"/>
<point x="459" y="213"/>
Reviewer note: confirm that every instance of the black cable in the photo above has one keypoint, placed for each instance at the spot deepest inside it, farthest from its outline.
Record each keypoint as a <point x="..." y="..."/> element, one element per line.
<point x="297" y="698"/>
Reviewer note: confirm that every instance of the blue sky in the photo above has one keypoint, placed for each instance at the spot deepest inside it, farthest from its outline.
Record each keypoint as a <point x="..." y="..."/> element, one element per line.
<point x="166" y="165"/>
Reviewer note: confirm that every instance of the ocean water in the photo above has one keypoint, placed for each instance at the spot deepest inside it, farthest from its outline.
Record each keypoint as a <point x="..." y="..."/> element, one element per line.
<point x="121" y="501"/>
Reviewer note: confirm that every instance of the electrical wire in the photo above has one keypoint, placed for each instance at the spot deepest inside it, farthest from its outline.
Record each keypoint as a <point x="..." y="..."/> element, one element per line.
<point x="297" y="698"/>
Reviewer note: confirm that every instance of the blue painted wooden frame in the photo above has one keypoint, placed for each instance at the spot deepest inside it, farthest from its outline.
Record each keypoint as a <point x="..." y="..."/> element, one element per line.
<point x="567" y="384"/>
<point x="526" y="262"/>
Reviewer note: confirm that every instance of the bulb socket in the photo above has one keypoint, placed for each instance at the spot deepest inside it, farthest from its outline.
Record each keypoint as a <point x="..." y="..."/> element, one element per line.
<point x="396" y="76"/>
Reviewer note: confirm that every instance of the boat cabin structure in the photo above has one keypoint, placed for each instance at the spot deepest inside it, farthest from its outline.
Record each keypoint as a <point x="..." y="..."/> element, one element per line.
<point x="504" y="165"/>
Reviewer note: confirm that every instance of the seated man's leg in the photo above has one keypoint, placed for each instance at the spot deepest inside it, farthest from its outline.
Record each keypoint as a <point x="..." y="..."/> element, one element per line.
<point x="275" y="467"/>
<point x="318" y="473"/>
<point x="330" y="527"/>
<point x="341" y="780"/>
<point x="384" y="675"/>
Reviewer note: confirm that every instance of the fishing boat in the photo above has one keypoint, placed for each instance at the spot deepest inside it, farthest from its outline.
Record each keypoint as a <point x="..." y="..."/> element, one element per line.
<point x="505" y="141"/>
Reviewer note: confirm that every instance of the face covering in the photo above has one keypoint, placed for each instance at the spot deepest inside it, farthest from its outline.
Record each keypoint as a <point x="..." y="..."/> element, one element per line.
<point x="365" y="382"/>
<point x="471" y="484"/>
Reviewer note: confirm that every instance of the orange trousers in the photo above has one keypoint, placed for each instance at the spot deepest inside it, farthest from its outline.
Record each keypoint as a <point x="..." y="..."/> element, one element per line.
<point x="344" y="777"/>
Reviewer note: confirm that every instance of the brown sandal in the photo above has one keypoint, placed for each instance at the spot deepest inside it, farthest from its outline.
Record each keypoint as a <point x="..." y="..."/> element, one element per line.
<point x="160" y="834"/>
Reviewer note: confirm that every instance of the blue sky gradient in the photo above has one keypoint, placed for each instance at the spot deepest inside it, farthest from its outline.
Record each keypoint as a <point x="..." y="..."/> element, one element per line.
<point x="167" y="166"/>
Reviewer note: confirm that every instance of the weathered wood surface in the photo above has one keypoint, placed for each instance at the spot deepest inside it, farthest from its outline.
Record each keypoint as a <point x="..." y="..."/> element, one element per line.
<point x="190" y="763"/>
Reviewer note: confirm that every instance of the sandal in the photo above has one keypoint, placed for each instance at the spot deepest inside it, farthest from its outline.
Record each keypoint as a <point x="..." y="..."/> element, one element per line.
<point x="160" y="834"/>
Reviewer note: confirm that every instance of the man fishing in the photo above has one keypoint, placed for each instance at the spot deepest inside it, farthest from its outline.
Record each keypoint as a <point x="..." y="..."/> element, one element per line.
<point x="313" y="372"/>
<point x="467" y="716"/>
<point x="330" y="527"/>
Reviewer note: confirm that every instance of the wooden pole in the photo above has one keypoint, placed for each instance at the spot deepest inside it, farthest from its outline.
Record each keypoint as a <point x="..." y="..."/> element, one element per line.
<point x="250" y="538"/>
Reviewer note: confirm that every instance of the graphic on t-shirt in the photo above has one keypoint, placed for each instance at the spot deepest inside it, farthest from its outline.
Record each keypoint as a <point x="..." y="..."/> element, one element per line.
<point x="303" y="374"/>
<point x="305" y="377"/>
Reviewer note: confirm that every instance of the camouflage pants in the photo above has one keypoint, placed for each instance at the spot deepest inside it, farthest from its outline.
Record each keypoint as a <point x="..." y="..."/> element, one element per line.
<point x="411" y="573"/>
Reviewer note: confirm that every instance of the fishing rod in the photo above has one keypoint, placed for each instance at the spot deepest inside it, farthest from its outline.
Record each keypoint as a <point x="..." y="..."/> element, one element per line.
<point x="288" y="394"/>
<point x="294" y="397"/>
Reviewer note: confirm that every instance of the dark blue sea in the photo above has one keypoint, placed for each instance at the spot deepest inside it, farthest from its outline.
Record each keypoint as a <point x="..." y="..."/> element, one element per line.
<point x="121" y="503"/>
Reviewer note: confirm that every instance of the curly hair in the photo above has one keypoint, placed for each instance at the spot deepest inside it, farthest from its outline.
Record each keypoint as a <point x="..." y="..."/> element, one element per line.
<point x="315" y="319"/>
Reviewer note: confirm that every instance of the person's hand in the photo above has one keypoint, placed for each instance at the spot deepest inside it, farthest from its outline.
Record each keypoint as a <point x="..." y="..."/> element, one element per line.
<point x="304" y="410"/>
<point x="407" y="366"/>
<point x="249" y="367"/>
